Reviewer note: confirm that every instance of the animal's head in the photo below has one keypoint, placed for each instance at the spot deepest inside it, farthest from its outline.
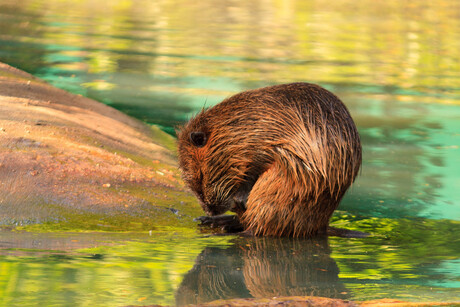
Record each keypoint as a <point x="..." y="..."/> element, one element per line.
<point x="218" y="156"/>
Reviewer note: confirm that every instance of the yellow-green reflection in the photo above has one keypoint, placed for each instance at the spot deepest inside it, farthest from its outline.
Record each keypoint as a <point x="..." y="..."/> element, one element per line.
<point x="407" y="260"/>
<point x="139" y="269"/>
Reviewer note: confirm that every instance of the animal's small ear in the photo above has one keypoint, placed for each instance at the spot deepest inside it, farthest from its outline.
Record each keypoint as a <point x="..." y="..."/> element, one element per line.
<point x="198" y="138"/>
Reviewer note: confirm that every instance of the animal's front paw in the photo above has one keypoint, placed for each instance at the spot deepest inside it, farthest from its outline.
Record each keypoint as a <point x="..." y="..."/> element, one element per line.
<point x="227" y="223"/>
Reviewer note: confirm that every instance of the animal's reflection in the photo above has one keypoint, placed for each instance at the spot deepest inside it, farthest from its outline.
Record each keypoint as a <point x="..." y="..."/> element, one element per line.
<point x="262" y="267"/>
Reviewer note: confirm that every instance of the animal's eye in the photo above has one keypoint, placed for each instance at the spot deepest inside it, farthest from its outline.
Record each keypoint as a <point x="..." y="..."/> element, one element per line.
<point x="198" y="138"/>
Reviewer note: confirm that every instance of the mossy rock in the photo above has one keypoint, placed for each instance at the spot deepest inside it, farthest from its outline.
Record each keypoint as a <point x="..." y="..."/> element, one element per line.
<point x="69" y="162"/>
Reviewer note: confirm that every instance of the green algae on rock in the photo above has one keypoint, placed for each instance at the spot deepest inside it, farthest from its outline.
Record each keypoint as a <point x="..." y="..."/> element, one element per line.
<point x="69" y="162"/>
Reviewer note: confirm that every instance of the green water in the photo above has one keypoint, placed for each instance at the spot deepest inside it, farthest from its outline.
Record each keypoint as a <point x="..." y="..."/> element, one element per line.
<point x="396" y="65"/>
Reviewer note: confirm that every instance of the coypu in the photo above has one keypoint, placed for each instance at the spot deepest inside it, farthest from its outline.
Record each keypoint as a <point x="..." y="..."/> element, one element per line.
<point x="280" y="157"/>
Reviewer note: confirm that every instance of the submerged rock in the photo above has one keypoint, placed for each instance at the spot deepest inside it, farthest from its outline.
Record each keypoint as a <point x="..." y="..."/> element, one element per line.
<point x="314" y="301"/>
<point x="69" y="161"/>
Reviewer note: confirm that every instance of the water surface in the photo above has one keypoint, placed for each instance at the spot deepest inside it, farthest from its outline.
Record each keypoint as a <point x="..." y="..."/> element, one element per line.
<point x="396" y="66"/>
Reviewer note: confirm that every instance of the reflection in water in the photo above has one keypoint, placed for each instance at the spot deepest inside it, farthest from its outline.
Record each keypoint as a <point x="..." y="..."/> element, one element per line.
<point x="406" y="260"/>
<point x="96" y="269"/>
<point x="23" y="241"/>
<point x="262" y="267"/>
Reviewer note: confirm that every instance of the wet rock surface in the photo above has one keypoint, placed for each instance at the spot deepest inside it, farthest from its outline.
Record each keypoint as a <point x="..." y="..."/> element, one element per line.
<point x="312" y="301"/>
<point x="71" y="160"/>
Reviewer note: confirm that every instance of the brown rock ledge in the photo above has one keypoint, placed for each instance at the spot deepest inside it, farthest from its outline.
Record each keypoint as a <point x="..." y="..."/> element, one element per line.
<point x="64" y="155"/>
<point x="313" y="301"/>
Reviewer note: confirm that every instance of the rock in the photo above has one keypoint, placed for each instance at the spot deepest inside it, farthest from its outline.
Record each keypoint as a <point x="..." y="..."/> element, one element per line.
<point x="314" y="301"/>
<point x="69" y="160"/>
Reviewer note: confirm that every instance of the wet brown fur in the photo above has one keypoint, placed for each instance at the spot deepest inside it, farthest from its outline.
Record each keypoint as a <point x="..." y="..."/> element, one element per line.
<point x="281" y="157"/>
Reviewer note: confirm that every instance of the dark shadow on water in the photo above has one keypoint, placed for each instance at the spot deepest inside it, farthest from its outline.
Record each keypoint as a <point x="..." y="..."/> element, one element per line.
<point x="262" y="267"/>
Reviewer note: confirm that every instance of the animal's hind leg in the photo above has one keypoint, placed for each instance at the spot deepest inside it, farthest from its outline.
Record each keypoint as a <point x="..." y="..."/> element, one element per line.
<point x="278" y="205"/>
